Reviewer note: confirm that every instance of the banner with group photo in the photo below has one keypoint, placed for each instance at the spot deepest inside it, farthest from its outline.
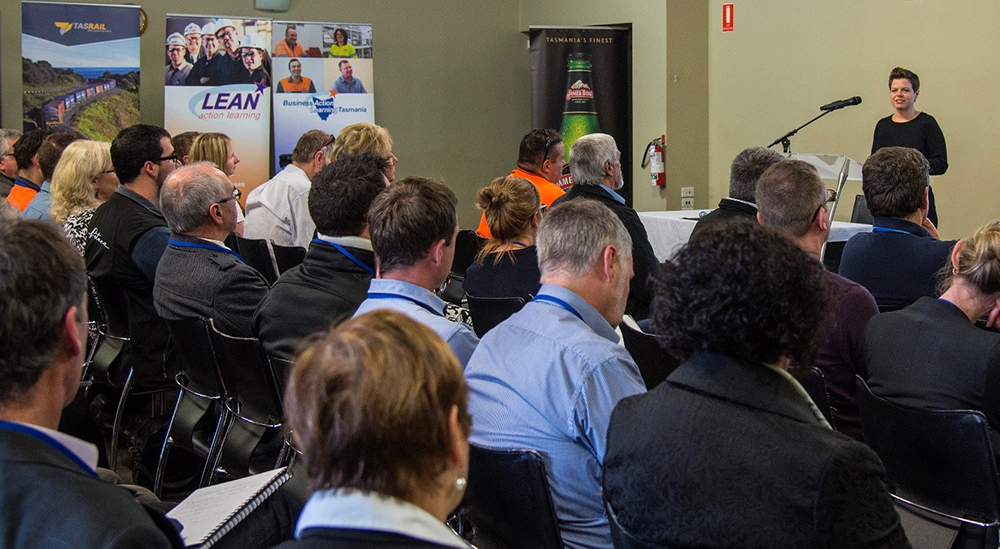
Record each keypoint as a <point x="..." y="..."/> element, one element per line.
<point x="80" y="66"/>
<point x="581" y="83"/>
<point x="323" y="80"/>
<point x="217" y="72"/>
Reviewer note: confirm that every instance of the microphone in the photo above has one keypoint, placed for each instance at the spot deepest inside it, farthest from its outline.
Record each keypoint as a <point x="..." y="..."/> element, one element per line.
<point x="841" y="104"/>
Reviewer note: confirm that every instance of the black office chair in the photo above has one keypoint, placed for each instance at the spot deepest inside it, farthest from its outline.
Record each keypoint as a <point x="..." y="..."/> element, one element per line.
<point x="281" y="368"/>
<point x="200" y="415"/>
<point x="508" y="500"/>
<point x="487" y="312"/>
<point x="815" y="385"/>
<point x="861" y="213"/>
<point x="939" y="461"/>
<point x="257" y="254"/>
<point x="253" y="441"/>
<point x="286" y="257"/>
<point x="467" y="246"/>
<point x="621" y="538"/>
<point x="655" y="364"/>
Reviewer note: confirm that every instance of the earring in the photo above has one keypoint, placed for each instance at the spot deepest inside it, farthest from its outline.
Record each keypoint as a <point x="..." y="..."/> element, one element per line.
<point x="460" y="483"/>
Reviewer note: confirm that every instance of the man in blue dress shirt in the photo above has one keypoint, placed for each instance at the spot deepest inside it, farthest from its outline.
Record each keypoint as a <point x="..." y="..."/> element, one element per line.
<point x="346" y="83"/>
<point x="548" y="377"/>
<point x="413" y="226"/>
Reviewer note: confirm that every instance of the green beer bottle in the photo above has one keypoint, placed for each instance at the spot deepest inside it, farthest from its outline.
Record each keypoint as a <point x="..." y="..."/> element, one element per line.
<point x="580" y="115"/>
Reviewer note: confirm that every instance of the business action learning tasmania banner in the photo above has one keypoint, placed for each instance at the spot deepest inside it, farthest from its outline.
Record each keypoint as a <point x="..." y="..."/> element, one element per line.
<point x="581" y="83"/>
<point x="323" y="79"/>
<point x="217" y="72"/>
<point x="80" y="66"/>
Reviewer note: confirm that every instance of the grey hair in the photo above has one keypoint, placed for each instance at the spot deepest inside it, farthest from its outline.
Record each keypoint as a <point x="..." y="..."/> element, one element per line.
<point x="5" y="135"/>
<point x="573" y="235"/>
<point x="747" y="168"/>
<point x="187" y="194"/>
<point x="587" y="158"/>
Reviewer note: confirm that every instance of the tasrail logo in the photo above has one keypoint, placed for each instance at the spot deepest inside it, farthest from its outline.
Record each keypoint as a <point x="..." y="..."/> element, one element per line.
<point x="65" y="27"/>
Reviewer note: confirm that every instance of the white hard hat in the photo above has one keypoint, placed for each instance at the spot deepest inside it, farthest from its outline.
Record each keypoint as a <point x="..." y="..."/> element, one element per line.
<point x="175" y="39"/>
<point x="223" y="23"/>
<point x="192" y="29"/>
<point x="208" y="29"/>
<point x="252" y="41"/>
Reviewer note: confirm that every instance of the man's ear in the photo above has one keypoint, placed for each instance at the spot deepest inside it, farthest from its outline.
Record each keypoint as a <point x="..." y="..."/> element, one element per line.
<point x="608" y="263"/>
<point x="436" y="252"/>
<point x="821" y="220"/>
<point x="759" y="220"/>
<point x="70" y="340"/>
<point x="925" y="200"/>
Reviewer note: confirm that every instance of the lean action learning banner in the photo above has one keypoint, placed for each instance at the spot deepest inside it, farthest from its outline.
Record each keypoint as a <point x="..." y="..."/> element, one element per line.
<point x="581" y="83"/>
<point x="323" y="79"/>
<point x="217" y="72"/>
<point x="80" y="66"/>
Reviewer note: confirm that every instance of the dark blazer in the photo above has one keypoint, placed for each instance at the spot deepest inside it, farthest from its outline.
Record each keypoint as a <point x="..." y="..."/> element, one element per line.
<point x="644" y="262"/>
<point x="47" y="500"/>
<point x="205" y="283"/>
<point x="728" y="209"/>
<point x="728" y="454"/>
<point x="308" y="298"/>
<point x="929" y="355"/>
<point x="337" y="538"/>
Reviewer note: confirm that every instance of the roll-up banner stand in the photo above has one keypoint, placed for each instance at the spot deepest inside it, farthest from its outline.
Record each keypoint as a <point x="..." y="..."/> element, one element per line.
<point x="581" y="83"/>
<point x="80" y="67"/>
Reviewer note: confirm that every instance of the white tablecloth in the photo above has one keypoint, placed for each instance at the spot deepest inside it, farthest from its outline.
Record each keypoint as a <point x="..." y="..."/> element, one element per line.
<point x="668" y="231"/>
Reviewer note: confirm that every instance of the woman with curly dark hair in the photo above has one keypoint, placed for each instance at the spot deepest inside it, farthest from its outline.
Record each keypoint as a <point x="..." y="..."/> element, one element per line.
<point x="730" y="451"/>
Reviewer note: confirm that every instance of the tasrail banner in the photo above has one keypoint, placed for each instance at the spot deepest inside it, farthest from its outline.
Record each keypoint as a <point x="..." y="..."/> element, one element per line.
<point x="581" y="83"/>
<point x="80" y="67"/>
<point x="323" y="80"/>
<point x="217" y="76"/>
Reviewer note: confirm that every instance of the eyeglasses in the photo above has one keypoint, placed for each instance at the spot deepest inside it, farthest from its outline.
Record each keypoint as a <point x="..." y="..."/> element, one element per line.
<point x="831" y="196"/>
<point x="236" y="196"/>
<point x="327" y="143"/>
<point x="249" y="53"/>
<point x="224" y="34"/>
<point x="548" y="145"/>
<point x="172" y="158"/>
<point x="176" y="50"/>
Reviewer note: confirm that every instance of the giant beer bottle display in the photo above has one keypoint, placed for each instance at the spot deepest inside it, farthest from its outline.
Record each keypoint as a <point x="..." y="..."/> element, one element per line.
<point x="580" y="115"/>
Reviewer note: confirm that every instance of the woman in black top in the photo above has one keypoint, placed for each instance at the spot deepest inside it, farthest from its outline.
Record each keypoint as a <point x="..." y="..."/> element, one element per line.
<point x="908" y="127"/>
<point x="507" y="266"/>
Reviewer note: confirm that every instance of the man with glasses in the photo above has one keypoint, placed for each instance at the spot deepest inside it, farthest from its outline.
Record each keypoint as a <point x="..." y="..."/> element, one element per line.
<point x="128" y="234"/>
<point x="198" y="275"/>
<point x="209" y="48"/>
<point x="787" y="197"/>
<point x="540" y="161"/>
<point x="178" y="69"/>
<point x="192" y="41"/>
<point x="228" y="69"/>
<point x="8" y="164"/>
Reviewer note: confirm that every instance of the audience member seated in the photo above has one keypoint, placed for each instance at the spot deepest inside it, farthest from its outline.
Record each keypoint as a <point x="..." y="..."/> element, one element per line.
<point x="792" y="199"/>
<point x="507" y="265"/>
<point x="931" y="355"/>
<point x="540" y="160"/>
<point x="218" y="149"/>
<point x="367" y="138"/>
<point x="730" y="451"/>
<point x="182" y="145"/>
<point x="126" y="240"/>
<point x="50" y="493"/>
<point x="29" y="175"/>
<point x="548" y="377"/>
<point x="83" y="180"/>
<point x="8" y="164"/>
<point x="899" y="260"/>
<point x="597" y="174"/>
<point x="49" y="154"/>
<point x="413" y="227"/>
<point x="198" y="276"/>
<point x="378" y="409"/>
<point x="278" y="210"/>
<point x="333" y="278"/>
<point x="744" y="173"/>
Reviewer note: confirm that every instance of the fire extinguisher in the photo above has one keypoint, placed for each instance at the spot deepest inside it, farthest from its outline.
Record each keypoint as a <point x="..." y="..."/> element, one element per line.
<point x="654" y="159"/>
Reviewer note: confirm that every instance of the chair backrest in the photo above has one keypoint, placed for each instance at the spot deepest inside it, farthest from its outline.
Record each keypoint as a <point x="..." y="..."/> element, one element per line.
<point x="286" y="257"/>
<point x="942" y="459"/>
<point x="621" y="538"/>
<point x="281" y="368"/>
<point x="193" y="346"/>
<point x="655" y="364"/>
<point x="815" y="385"/>
<point x="453" y="291"/>
<point x="508" y="499"/>
<point x="487" y="312"/>
<point x="467" y="245"/>
<point x="861" y="213"/>
<point x="247" y="377"/>
<point x="257" y="254"/>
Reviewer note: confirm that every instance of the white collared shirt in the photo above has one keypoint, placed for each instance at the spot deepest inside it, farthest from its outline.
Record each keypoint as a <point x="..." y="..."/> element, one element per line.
<point x="347" y="241"/>
<point x="278" y="210"/>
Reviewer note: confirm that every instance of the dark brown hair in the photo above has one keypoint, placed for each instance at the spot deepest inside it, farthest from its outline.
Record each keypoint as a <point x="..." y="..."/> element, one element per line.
<point x="893" y="180"/>
<point x="509" y="204"/>
<point x="899" y="72"/>
<point x="408" y="218"/>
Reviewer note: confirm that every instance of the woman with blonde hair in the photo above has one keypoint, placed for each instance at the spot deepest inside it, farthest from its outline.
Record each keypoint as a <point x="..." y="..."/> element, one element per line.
<point x="507" y="265"/>
<point x="931" y="355"/>
<point x="363" y="137"/>
<point x="378" y="408"/>
<point x="217" y="148"/>
<point x="82" y="180"/>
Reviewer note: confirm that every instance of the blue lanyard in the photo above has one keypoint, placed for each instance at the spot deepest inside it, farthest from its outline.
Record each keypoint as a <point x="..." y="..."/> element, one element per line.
<point x="206" y="247"/>
<point x="560" y="303"/>
<point x="24" y="430"/>
<point x="378" y="295"/>
<point x="886" y="230"/>
<point x="347" y="254"/>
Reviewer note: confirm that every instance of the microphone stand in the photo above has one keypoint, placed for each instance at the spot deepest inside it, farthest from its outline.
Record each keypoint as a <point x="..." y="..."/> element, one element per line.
<point x="786" y="144"/>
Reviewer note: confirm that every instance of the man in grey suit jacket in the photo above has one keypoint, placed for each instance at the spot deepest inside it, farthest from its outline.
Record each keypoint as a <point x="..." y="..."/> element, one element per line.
<point x="50" y="495"/>
<point x="198" y="276"/>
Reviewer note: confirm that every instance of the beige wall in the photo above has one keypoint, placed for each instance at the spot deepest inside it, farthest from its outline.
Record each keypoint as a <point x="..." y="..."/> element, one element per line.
<point x="687" y="108"/>
<point x="452" y="76"/>
<point x="787" y="57"/>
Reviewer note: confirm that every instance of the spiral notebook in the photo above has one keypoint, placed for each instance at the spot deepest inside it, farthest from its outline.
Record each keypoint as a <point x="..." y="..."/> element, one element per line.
<point x="209" y="513"/>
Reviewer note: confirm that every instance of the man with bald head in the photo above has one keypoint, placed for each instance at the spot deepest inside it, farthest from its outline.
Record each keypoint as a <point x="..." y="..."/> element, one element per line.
<point x="198" y="276"/>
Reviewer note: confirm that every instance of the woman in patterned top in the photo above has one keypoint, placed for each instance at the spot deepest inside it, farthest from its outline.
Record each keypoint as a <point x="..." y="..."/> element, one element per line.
<point x="82" y="181"/>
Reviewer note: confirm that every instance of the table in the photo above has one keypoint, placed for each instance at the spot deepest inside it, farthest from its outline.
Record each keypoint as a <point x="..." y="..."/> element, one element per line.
<point x="668" y="231"/>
